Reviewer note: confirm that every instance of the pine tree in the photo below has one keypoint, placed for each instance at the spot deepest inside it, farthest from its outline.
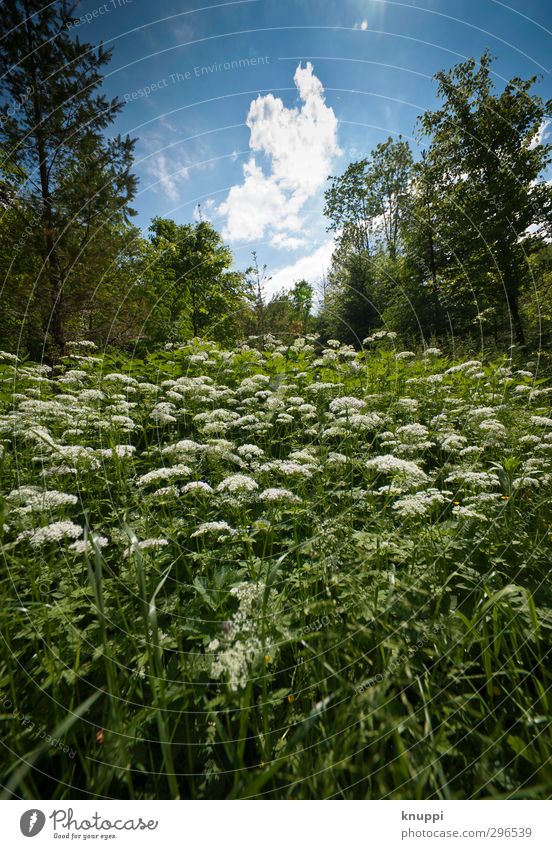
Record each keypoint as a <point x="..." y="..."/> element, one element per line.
<point x="53" y="120"/>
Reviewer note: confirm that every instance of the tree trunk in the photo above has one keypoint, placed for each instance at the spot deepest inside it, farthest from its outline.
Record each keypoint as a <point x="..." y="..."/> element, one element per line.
<point x="510" y="276"/>
<point x="54" y="326"/>
<point x="513" y="308"/>
<point x="437" y="308"/>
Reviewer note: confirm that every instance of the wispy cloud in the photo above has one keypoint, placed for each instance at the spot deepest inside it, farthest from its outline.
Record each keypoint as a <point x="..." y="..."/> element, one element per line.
<point x="167" y="174"/>
<point x="299" y="144"/>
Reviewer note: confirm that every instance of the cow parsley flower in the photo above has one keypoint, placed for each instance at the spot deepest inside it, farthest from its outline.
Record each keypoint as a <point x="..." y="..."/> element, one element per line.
<point x="346" y="405"/>
<point x="418" y="504"/>
<point x="287" y="467"/>
<point x="275" y="494"/>
<point x="250" y="453"/>
<point x="237" y="484"/>
<point x="145" y="545"/>
<point x="162" y="413"/>
<point x="45" y="500"/>
<point x="165" y="473"/>
<point x="408" y="404"/>
<point x="413" y="433"/>
<point x="120" y="451"/>
<point x="55" y="532"/>
<point x="364" y="421"/>
<point x="199" y="487"/>
<point x="476" y="480"/>
<point x="82" y="546"/>
<point x="221" y="529"/>
<point x="465" y="512"/>
<point x="404" y="470"/>
<point x="115" y="377"/>
<point x="453" y="442"/>
<point x="234" y="661"/>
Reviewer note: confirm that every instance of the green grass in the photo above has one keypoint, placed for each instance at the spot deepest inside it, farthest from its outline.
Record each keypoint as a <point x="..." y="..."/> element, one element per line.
<point x="380" y="630"/>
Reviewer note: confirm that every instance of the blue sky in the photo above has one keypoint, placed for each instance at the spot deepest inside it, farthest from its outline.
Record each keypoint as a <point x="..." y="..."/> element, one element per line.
<point x="247" y="106"/>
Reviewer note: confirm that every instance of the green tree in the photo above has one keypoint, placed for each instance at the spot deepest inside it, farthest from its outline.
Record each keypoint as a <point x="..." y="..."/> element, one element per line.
<point x="201" y="292"/>
<point x="485" y="159"/>
<point x="389" y="178"/>
<point x="366" y="206"/>
<point x="301" y="296"/>
<point x="52" y="128"/>
<point x="366" y="203"/>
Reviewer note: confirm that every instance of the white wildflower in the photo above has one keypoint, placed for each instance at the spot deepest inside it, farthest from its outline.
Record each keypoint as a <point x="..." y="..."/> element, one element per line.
<point x="165" y="473"/>
<point x="346" y="405"/>
<point x="197" y="487"/>
<point x="82" y="546"/>
<point x="55" y="532"/>
<point x="221" y="529"/>
<point x="418" y="504"/>
<point x="541" y="421"/>
<point x="145" y="545"/>
<point x="237" y="484"/>
<point x="276" y="494"/>
<point x="405" y="470"/>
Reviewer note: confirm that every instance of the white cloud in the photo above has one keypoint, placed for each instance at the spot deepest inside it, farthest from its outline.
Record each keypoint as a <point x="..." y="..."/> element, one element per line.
<point x="166" y="177"/>
<point x="311" y="268"/>
<point x="288" y="243"/>
<point x="258" y="205"/>
<point x="204" y="211"/>
<point x="299" y="144"/>
<point x="541" y="135"/>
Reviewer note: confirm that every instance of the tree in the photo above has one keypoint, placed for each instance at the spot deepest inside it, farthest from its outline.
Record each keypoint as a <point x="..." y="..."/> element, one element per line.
<point x="367" y="207"/>
<point x="300" y="296"/>
<point x="485" y="158"/>
<point x="424" y="246"/>
<point x="52" y="127"/>
<point x="256" y="277"/>
<point x="389" y="178"/>
<point x="203" y="295"/>
<point x="351" y="208"/>
<point x="366" y="203"/>
<point x="350" y="309"/>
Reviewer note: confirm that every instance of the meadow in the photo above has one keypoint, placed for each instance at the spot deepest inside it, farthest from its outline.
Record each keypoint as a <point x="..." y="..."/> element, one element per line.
<point x="278" y="571"/>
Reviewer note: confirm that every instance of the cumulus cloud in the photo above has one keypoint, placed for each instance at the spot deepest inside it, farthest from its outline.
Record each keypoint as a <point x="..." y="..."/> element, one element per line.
<point x="290" y="243"/>
<point x="311" y="268"/>
<point x="298" y="144"/>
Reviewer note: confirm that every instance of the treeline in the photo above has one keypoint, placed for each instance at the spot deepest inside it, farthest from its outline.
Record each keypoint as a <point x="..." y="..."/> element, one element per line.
<point x="458" y="242"/>
<point x="72" y="265"/>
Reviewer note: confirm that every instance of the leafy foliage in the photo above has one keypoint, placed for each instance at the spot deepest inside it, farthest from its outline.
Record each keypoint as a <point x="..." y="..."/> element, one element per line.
<point x="276" y="571"/>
